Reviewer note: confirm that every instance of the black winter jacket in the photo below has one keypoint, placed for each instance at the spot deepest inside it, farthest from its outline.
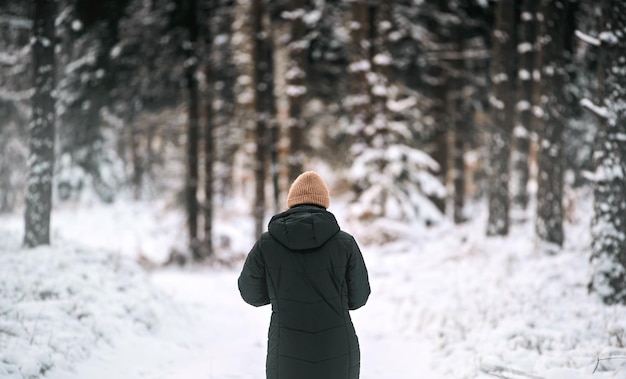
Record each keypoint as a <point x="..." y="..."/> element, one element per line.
<point x="313" y="274"/>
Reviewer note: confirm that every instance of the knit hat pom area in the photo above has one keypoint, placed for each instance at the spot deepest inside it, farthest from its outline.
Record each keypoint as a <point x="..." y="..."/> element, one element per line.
<point x="308" y="188"/>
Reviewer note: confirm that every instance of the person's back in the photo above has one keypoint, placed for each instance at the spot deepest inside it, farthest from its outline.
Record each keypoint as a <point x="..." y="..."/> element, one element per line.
<point x="313" y="274"/>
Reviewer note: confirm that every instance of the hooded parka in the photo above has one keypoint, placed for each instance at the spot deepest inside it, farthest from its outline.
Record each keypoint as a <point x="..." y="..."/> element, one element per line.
<point x="313" y="274"/>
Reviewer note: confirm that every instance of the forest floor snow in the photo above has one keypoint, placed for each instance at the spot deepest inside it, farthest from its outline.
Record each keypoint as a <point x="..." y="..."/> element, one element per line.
<point x="447" y="303"/>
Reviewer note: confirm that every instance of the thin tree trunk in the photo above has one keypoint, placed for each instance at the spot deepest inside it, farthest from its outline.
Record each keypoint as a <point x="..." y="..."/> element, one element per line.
<point x="227" y="130"/>
<point x="438" y="80"/>
<point x="522" y="132"/>
<point x="360" y="66"/>
<point x="296" y="89"/>
<point x="460" y="124"/>
<point x="502" y="104"/>
<point x="42" y="128"/>
<point x="193" y="129"/>
<point x="209" y="148"/>
<point x="381" y="61"/>
<point x="137" y="162"/>
<point x="262" y="75"/>
<point x="549" y="222"/>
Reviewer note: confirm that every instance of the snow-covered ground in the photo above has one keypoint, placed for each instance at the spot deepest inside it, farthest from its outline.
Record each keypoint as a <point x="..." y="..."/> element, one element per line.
<point x="447" y="303"/>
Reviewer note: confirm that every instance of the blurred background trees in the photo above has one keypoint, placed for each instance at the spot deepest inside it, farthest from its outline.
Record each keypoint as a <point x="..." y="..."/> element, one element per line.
<point x="421" y="108"/>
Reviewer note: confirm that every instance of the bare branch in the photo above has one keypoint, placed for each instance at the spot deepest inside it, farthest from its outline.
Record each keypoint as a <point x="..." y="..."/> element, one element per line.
<point x="606" y="359"/>
<point x="507" y="373"/>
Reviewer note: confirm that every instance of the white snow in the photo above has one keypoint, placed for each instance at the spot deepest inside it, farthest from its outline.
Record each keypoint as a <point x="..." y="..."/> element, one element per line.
<point x="593" y="41"/>
<point x="446" y="302"/>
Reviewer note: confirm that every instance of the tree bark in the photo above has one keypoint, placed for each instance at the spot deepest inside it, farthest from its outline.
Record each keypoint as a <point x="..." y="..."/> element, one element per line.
<point x="502" y="105"/>
<point x="460" y="119"/>
<point x="227" y="130"/>
<point x="193" y="129"/>
<point x="608" y="259"/>
<point x="381" y="62"/>
<point x="209" y="146"/>
<point x="360" y="66"/>
<point x="549" y="222"/>
<point x="438" y="78"/>
<point x="263" y="84"/>
<point x="42" y="127"/>
<point x="522" y="132"/>
<point x="296" y="89"/>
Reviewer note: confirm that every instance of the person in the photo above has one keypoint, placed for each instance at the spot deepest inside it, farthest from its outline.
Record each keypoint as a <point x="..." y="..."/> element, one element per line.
<point x="312" y="273"/>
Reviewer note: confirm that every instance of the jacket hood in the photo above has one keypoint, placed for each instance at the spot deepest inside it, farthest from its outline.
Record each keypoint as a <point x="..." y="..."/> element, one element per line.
<point x="303" y="227"/>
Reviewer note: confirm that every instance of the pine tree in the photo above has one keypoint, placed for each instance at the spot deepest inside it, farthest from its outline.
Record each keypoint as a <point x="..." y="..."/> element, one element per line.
<point x="608" y="258"/>
<point x="15" y="107"/>
<point x="392" y="178"/>
<point x="42" y="127"/>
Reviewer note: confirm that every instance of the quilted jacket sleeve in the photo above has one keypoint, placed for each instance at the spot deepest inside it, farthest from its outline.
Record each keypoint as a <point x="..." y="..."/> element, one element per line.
<point x="357" y="278"/>
<point x="252" y="285"/>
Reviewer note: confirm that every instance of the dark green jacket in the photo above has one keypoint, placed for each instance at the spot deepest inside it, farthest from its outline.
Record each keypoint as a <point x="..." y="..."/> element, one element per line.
<point x="313" y="274"/>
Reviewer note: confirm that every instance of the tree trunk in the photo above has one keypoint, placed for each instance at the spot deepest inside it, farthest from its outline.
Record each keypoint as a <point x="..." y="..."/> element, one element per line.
<point x="460" y="118"/>
<point x="42" y="128"/>
<point x="137" y="161"/>
<point x="501" y="100"/>
<point x="526" y="50"/>
<point x="360" y="66"/>
<point x="226" y="129"/>
<point x="209" y="147"/>
<point x="608" y="259"/>
<point x="263" y="84"/>
<point x="193" y="129"/>
<point x="439" y="84"/>
<point x="381" y="62"/>
<point x="549" y="222"/>
<point x="296" y="89"/>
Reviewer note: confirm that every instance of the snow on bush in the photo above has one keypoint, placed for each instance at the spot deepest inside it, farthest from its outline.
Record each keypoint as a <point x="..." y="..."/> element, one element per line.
<point x="58" y="303"/>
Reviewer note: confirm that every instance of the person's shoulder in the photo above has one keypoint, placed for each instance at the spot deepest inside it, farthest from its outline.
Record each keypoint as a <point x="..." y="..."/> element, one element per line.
<point x="266" y="237"/>
<point x="344" y="236"/>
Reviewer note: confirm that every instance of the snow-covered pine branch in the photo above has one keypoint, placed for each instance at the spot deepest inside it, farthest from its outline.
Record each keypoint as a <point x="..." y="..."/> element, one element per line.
<point x="600" y="111"/>
<point x="593" y="41"/>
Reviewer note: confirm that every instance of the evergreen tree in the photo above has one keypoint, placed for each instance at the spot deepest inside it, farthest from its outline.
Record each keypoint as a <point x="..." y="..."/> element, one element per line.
<point x="87" y="89"/>
<point x="392" y="179"/>
<point x="15" y="107"/>
<point x="608" y="259"/>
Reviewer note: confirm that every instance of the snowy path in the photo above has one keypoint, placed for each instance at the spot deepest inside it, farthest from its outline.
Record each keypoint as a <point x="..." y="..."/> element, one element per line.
<point x="226" y="338"/>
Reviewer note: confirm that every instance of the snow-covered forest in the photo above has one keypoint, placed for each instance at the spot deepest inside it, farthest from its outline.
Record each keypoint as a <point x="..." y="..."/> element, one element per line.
<point x="476" y="149"/>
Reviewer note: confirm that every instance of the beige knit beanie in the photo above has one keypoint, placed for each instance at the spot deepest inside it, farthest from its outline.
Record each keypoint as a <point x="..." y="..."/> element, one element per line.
<point x="308" y="188"/>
